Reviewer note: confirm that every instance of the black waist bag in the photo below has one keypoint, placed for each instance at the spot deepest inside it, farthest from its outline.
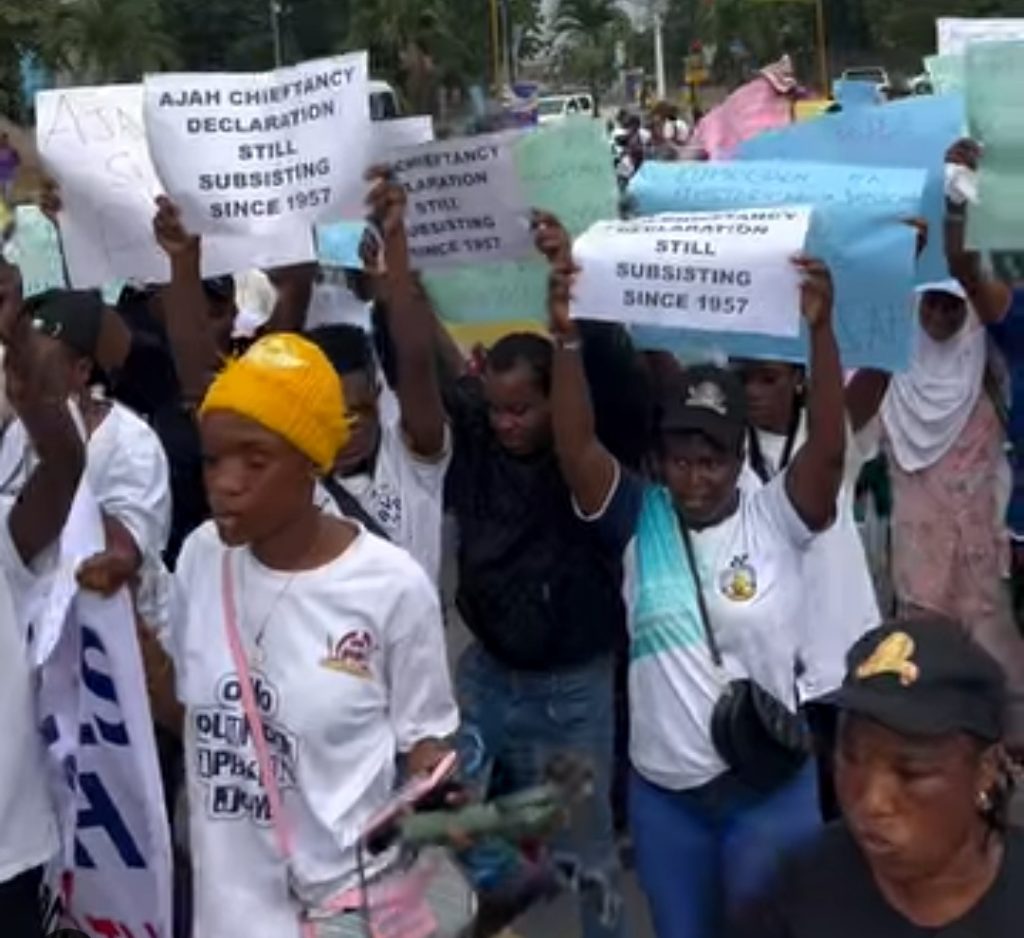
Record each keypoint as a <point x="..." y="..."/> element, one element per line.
<point x="759" y="737"/>
<point x="762" y="741"/>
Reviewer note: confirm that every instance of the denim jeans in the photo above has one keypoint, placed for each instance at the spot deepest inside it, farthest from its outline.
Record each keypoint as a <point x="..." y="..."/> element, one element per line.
<point x="703" y="855"/>
<point x="521" y="720"/>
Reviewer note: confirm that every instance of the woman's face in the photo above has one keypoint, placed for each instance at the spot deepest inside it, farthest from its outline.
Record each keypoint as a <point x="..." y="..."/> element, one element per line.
<point x="942" y="315"/>
<point x="256" y="481"/>
<point x="772" y="389"/>
<point x="519" y="410"/>
<point x="910" y="803"/>
<point x="700" y="476"/>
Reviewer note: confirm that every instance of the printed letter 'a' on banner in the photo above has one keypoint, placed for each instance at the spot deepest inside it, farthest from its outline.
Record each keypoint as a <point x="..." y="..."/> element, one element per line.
<point x="113" y="875"/>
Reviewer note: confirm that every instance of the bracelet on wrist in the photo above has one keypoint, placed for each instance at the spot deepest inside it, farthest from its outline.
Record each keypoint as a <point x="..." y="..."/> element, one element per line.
<point x="568" y="343"/>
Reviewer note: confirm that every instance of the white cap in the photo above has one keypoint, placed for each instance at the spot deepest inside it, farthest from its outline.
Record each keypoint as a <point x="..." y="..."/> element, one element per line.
<point x="951" y="286"/>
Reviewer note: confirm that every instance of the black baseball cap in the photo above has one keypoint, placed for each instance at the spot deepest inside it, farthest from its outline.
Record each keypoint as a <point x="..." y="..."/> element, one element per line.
<point x="75" y="317"/>
<point x="709" y="400"/>
<point x="924" y="677"/>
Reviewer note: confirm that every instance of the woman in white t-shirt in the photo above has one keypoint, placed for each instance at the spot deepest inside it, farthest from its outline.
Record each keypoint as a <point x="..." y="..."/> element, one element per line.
<point x="341" y="634"/>
<point x="126" y="467"/>
<point x="29" y="527"/>
<point x="712" y="584"/>
<point x="839" y="602"/>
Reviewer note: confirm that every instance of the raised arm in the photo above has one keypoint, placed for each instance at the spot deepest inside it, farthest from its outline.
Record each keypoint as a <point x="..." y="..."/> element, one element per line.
<point x="42" y="507"/>
<point x="816" y="473"/>
<point x="587" y="467"/>
<point x="864" y="395"/>
<point x="185" y="306"/>
<point x="990" y="297"/>
<point x="294" y="285"/>
<point x="411" y="323"/>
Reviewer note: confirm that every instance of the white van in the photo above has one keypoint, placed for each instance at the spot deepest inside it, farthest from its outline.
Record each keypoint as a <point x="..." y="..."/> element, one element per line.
<point x="383" y="101"/>
<point x="558" y="107"/>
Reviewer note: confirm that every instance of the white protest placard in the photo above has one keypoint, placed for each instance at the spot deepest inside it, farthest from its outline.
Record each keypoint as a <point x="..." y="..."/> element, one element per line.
<point x="246" y="152"/>
<point x="93" y="142"/>
<point x="113" y="874"/>
<point x="956" y="33"/>
<point x="714" y="271"/>
<point x="466" y="203"/>
<point x="389" y="136"/>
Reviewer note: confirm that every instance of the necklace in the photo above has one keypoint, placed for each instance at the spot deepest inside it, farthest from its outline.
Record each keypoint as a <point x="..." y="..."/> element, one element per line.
<point x="258" y="654"/>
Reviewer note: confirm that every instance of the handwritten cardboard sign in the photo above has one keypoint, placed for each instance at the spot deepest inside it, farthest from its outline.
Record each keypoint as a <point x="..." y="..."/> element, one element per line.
<point x="92" y="140"/>
<point x="995" y="115"/>
<point x="910" y="134"/>
<point x="857" y="229"/>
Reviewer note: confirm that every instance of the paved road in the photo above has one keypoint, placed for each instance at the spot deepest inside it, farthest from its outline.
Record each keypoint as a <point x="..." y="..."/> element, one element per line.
<point x="560" y="919"/>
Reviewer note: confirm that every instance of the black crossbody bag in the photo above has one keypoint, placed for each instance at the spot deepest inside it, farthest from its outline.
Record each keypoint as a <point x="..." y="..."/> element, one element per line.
<point x="762" y="741"/>
<point x="349" y="506"/>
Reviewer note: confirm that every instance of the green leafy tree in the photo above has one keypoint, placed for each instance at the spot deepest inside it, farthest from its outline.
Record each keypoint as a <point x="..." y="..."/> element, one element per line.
<point x="117" y="40"/>
<point x="37" y="28"/>
<point x="586" y="33"/>
<point x="220" y="35"/>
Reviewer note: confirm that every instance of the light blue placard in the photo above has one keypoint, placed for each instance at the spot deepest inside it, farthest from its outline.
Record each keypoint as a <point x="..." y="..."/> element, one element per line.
<point x="35" y="249"/>
<point x="337" y="245"/>
<point x="855" y="94"/>
<point x="856" y="229"/>
<point x="914" y="133"/>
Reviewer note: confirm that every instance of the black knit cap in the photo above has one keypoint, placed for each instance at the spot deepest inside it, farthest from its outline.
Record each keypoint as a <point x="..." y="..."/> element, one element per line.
<point x="73" y="316"/>
<point x="924" y="677"/>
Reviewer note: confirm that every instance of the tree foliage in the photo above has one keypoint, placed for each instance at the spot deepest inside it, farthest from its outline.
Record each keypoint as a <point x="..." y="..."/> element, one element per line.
<point x="586" y="33"/>
<point x="420" y="44"/>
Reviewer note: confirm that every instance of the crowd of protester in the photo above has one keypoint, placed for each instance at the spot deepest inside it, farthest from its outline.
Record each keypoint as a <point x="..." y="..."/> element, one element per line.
<point x="800" y="758"/>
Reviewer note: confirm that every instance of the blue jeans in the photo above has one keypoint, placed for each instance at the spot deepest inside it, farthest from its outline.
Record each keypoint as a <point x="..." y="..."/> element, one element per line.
<point x="703" y="854"/>
<point x="522" y="720"/>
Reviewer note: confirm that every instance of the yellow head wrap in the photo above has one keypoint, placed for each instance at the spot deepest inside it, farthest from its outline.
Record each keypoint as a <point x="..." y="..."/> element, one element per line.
<point x="286" y="384"/>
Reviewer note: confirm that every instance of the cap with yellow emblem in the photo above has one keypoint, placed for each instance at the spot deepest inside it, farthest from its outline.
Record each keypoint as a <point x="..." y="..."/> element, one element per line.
<point x="924" y="677"/>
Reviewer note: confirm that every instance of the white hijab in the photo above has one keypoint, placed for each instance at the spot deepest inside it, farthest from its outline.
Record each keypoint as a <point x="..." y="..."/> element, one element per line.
<point x="928" y="406"/>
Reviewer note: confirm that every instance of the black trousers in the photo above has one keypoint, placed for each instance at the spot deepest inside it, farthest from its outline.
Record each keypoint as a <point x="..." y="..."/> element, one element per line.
<point x="21" y="907"/>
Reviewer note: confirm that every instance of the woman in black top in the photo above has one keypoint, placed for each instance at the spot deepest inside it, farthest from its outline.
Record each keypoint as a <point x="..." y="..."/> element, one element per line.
<point x="925" y="848"/>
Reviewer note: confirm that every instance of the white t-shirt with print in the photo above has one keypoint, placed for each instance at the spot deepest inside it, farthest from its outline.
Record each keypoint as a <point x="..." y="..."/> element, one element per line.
<point x="840" y="604"/>
<point x="405" y="495"/>
<point x="750" y="568"/>
<point x="28" y="825"/>
<point x="128" y="474"/>
<point x="353" y="672"/>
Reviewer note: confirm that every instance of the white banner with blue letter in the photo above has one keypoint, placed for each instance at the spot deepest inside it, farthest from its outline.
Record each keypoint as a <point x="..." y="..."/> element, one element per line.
<point x="112" y="878"/>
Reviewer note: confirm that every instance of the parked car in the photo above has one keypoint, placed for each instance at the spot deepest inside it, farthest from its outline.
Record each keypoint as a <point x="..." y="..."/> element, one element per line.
<point x="873" y="73"/>
<point x="556" y="107"/>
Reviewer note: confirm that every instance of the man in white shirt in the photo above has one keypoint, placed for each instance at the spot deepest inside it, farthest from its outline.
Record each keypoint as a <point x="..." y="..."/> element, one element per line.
<point x="28" y="527"/>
